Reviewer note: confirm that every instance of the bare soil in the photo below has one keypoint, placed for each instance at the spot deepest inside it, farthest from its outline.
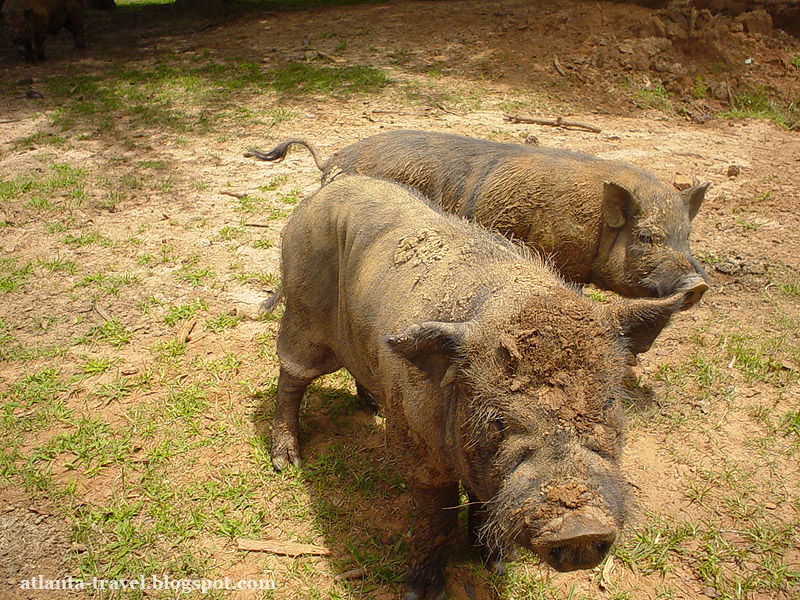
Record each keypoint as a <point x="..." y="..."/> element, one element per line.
<point x="456" y="67"/>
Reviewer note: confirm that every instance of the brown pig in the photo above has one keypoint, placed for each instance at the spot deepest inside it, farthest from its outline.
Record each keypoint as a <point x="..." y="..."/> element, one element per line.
<point x="601" y="221"/>
<point x="490" y="370"/>
<point x="28" y="22"/>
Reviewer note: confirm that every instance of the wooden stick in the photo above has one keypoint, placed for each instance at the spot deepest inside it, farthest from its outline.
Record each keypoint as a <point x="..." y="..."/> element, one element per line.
<point x="102" y="312"/>
<point x="237" y="195"/>
<point x="558" y="122"/>
<point x="282" y="548"/>
<point x="186" y="331"/>
<point x="330" y="57"/>
<point x="257" y="225"/>
<point x="558" y="67"/>
<point x="441" y="106"/>
<point x="352" y="574"/>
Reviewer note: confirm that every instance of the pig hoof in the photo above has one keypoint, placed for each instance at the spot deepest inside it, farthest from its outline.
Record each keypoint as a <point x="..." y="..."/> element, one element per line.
<point x="498" y="567"/>
<point x="415" y="595"/>
<point x="283" y="457"/>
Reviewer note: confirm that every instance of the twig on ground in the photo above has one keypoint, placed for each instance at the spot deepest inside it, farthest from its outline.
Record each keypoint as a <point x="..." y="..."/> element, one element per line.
<point x="558" y="122"/>
<point x="102" y="312"/>
<point x="352" y="574"/>
<point x="441" y="106"/>
<point x="237" y="195"/>
<point x="186" y="332"/>
<point x="265" y="225"/>
<point x="558" y="67"/>
<point x="330" y="57"/>
<point x="282" y="548"/>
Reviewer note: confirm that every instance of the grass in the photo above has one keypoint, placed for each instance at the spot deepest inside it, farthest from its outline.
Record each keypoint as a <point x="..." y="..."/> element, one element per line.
<point x="181" y="312"/>
<point x="304" y="78"/>
<point x="173" y="95"/>
<point x="148" y="443"/>
<point x="756" y="102"/>
<point x="13" y="275"/>
<point x="112" y="332"/>
<point x="36" y="192"/>
<point x="654" y="97"/>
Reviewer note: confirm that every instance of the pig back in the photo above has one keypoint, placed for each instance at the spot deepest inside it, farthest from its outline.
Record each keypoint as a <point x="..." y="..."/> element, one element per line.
<point x="364" y="259"/>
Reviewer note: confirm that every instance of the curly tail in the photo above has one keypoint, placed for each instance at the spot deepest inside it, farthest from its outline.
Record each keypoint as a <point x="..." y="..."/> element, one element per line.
<point x="271" y="303"/>
<point x="278" y="153"/>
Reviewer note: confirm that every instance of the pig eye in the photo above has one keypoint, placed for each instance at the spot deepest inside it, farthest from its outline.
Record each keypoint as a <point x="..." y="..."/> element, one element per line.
<point x="645" y="237"/>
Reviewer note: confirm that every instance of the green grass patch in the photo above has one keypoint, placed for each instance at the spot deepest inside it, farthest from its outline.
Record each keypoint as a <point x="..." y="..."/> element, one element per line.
<point x="112" y="332"/>
<point x="37" y="190"/>
<point x="12" y="275"/>
<point x="755" y="102"/>
<point x="305" y="78"/>
<point x="178" y="313"/>
<point x="222" y="322"/>
<point x="189" y="272"/>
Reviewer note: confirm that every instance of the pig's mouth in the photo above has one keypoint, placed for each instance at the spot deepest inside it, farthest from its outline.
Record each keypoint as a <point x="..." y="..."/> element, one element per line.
<point x="579" y="539"/>
<point x="693" y="286"/>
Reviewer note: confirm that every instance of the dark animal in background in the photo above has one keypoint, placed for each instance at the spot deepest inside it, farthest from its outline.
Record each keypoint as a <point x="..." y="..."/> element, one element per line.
<point x="601" y="221"/>
<point x="28" y="22"/>
<point x="490" y="371"/>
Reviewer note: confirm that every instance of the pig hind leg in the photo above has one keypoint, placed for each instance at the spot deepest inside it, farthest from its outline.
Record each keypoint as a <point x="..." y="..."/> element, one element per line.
<point x="302" y="361"/>
<point x="38" y="46"/>
<point x="74" y="24"/>
<point x="368" y="399"/>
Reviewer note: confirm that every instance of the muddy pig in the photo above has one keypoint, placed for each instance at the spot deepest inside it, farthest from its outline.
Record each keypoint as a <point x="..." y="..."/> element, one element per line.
<point x="602" y="222"/>
<point x="27" y="23"/>
<point x="489" y="369"/>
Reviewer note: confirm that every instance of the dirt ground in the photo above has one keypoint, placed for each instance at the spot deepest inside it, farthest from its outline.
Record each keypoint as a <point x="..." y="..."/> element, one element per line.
<point x="156" y="220"/>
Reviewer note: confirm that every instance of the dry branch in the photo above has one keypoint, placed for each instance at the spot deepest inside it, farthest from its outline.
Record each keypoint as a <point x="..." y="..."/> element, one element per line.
<point x="185" y="334"/>
<point x="282" y="548"/>
<point x="558" y="122"/>
<point x="558" y="67"/>
<point x="330" y="57"/>
<point x="237" y="195"/>
<point x="102" y="312"/>
<point x="352" y="574"/>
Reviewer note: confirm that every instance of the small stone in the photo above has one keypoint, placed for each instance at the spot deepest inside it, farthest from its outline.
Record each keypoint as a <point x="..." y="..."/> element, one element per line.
<point x="653" y="27"/>
<point x="727" y="267"/>
<point x="682" y="182"/>
<point x="734" y="170"/>
<point x="721" y="91"/>
<point x="754" y="268"/>
<point x="710" y="592"/>
<point x="532" y="139"/>
<point x="757" y="21"/>
<point x="770" y="505"/>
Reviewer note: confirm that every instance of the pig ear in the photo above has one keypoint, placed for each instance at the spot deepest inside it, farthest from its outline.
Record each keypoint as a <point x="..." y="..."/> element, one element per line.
<point x="432" y="347"/>
<point x="638" y="322"/>
<point x="694" y="198"/>
<point x="617" y="204"/>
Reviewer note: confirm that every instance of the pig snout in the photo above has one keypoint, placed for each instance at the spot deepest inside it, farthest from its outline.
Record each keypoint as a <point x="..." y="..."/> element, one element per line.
<point x="693" y="289"/>
<point x="685" y="275"/>
<point x="580" y="540"/>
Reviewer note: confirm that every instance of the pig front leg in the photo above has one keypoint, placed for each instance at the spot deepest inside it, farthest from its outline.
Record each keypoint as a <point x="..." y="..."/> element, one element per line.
<point x="493" y="558"/>
<point x="436" y="518"/>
